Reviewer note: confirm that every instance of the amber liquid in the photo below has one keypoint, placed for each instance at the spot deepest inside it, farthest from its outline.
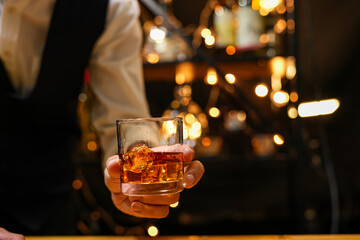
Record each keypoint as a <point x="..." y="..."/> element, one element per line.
<point x="152" y="167"/>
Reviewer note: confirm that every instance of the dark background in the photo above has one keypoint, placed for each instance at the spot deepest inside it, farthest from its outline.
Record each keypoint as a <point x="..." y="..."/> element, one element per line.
<point x="284" y="194"/>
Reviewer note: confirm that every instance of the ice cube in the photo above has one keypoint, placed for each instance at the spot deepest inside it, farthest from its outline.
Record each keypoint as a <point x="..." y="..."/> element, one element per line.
<point x="138" y="158"/>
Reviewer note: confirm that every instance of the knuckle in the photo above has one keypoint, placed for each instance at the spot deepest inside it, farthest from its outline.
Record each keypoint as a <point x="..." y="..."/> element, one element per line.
<point x="165" y="212"/>
<point x="199" y="167"/>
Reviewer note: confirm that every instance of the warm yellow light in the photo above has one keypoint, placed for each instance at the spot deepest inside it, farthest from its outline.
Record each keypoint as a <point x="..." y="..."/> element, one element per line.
<point x="203" y="120"/>
<point x="174" y="205"/>
<point x="290" y="6"/>
<point x="280" y="26"/>
<point x="194" y="108"/>
<point x="230" y="78"/>
<point x="190" y="118"/>
<point x="195" y="131"/>
<point x="290" y="67"/>
<point x="291" y="24"/>
<point x="292" y="112"/>
<point x="294" y="96"/>
<point x="278" y="139"/>
<point x="230" y="50"/>
<point x="276" y="84"/>
<point x="211" y="77"/>
<point x="281" y="9"/>
<point x="205" y="32"/>
<point x="196" y="126"/>
<point x="281" y="97"/>
<point x="185" y="91"/>
<point x="158" y="20"/>
<point x="148" y="25"/>
<point x="185" y="101"/>
<point x="290" y="3"/>
<point x="269" y="4"/>
<point x="214" y="112"/>
<point x="210" y="41"/>
<point x="180" y="78"/>
<point x="219" y="10"/>
<point x="264" y="38"/>
<point x="92" y="146"/>
<point x="185" y="132"/>
<point x="206" y="142"/>
<point x="184" y="73"/>
<point x="241" y="116"/>
<point x="157" y="34"/>
<point x="263" y="12"/>
<point x="170" y="128"/>
<point x="175" y="104"/>
<point x="77" y="184"/>
<point x="255" y="4"/>
<point x="153" y="231"/>
<point x="278" y="66"/>
<point x="317" y="108"/>
<point x="261" y="90"/>
<point x="152" y="58"/>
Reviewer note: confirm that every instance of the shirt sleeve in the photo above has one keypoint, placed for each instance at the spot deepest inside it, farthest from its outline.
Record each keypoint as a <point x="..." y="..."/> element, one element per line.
<point x="116" y="73"/>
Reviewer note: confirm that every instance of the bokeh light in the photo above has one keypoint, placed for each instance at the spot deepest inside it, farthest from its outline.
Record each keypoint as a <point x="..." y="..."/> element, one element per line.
<point x="278" y="139"/>
<point x="214" y="112"/>
<point x="92" y="146"/>
<point x="152" y="58"/>
<point x="174" y="205"/>
<point x="153" y="231"/>
<point x="205" y="32"/>
<point x="292" y="112"/>
<point x="281" y="97"/>
<point x="261" y="90"/>
<point x="230" y="78"/>
<point x="230" y="50"/>
<point x="157" y="34"/>
<point x="316" y="108"/>
<point x="210" y="41"/>
<point x="211" y="77"/>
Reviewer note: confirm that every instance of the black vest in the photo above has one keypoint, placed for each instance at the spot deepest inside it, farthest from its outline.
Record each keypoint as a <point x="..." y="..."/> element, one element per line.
<point x="38" y="133"/>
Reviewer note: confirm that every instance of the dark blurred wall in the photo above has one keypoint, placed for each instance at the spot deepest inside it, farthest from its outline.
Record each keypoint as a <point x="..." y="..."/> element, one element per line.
<point x="328" y="47"/>
<point x="328" y="34"/>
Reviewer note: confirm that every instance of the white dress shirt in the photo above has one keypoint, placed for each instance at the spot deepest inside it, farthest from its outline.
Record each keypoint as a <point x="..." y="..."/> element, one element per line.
<point x="115" y="65"/>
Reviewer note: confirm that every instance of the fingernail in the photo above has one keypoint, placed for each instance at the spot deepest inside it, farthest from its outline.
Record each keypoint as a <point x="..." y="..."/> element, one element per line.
<point x="190" y="179"/>
<point x="114" y="157"/>
<point x="136" y="207"/>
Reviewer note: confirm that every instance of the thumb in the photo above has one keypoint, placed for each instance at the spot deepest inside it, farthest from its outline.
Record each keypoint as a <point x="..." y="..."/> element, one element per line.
<point x="112" y="174"/>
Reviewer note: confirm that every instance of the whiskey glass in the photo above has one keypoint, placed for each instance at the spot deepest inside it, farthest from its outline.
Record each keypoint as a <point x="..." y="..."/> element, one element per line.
<point x="151" y="161"/>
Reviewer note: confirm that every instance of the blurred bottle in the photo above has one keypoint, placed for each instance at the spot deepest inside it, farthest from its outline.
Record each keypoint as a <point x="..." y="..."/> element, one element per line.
<point x="223" y="24"/>
<point x="249" y="27"/>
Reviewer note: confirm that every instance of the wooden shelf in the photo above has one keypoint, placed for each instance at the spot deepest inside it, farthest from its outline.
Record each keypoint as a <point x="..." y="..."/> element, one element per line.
<point x="243" y="70"/>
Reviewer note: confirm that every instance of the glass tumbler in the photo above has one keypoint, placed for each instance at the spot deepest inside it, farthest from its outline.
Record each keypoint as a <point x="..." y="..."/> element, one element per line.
<point x="151" y="161"/>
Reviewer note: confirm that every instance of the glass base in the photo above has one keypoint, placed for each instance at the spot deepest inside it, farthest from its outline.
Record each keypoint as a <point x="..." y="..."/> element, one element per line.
<point x="146" y="189"/>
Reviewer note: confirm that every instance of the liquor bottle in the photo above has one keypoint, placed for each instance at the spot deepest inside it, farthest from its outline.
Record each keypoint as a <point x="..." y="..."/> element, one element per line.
<point x="249" y="26"/>
<point x="223" y="25"/>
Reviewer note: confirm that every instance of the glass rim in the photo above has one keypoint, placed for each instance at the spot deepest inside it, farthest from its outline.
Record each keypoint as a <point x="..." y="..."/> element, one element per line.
<point x="149" y="119"/>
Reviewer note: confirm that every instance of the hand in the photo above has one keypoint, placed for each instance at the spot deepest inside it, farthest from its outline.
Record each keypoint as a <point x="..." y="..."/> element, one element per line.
<point x="10" y="236"/>
<point x="150" y="206"/>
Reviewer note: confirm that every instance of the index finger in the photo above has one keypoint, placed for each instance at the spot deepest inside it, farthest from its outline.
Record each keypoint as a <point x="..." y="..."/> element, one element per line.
<point x="112" y="165"/>
<point x="187" y="150"/>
